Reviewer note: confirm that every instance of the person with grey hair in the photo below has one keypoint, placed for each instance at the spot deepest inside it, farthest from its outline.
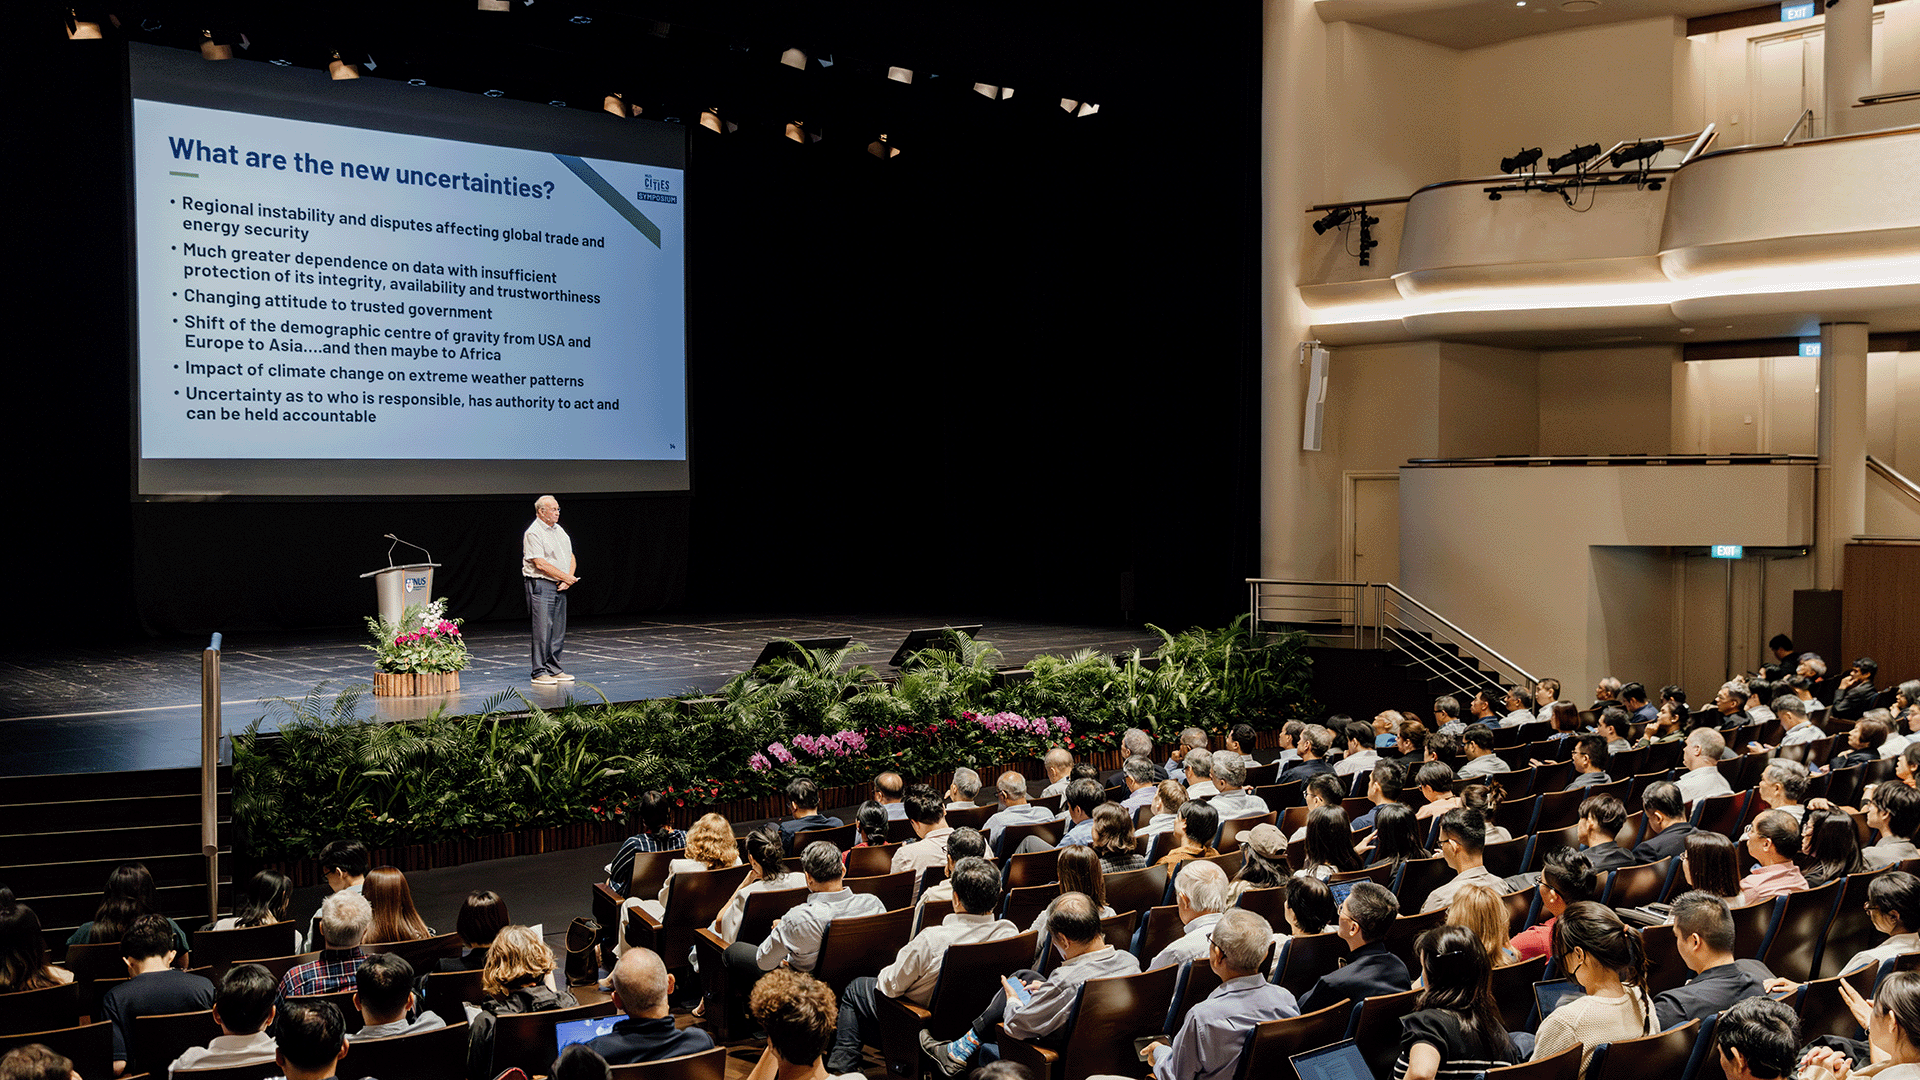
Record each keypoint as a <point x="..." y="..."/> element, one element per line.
<point x="964" y="790"/>
<point x="1446" y="715"/>
<point x="1200" y="896"/>
<point x="1191" y="739"/>
<point x="1314" y="743"/>
<point x="1058" y="761"/>
<point x="548" y="569"/>
<point x="1290" y="743"/>
<point x="1701" y="756"/>
<point x="1199" y="769"/>
<point x="1773" y="843"/>
<point x="1234" y="800"/>
<point x="795" y="940"/>
<point x="1896" y="742"/>
<point x="1135" y="743"/>
<point x="344" y="918"/>
<point x="1015" y="807"/>
<point x="1210" y="1041"/>
<point x="1783" y="787"/>
<point x="1137" y="774"/>
<point x="1606" y="693"/>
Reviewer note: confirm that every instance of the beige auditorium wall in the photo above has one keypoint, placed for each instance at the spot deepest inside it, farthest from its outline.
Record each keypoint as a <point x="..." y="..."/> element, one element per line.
<point x="1720" y="69"/>
<point x="1556" y="91"/>
<point x="1394" y="105"/>
<point x="1607" y="401"/>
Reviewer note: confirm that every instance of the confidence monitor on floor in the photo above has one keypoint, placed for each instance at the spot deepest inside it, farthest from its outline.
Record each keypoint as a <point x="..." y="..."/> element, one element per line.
<point x="938" y="637"/>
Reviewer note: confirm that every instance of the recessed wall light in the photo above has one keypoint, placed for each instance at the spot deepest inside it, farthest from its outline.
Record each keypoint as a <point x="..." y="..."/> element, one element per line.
<point x="1577" y="6"/>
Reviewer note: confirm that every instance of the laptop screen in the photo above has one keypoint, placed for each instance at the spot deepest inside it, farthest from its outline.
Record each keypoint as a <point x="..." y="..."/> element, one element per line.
<point x="1548" y="996"/>
<point x="1341" y="1061"/>
<point x="1340" y="891"/>
<point x="568" y="1032"/>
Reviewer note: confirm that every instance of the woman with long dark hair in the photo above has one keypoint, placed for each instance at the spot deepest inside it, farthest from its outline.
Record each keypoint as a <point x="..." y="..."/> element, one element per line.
<point x="129" y="894"/>
<point x="264" y="900"/>
<point x="1309" y="907"/>
<point x="1455" y="1031"/>
<point x="394" y="916"/>
<point x="23" y="950"/>
<point x="1396" y="836"/>
<point x="1329" y="844"/>
<point x="1606" y="957"/>
<point x="766" y="854"/>
<point x="1832" y="847"/>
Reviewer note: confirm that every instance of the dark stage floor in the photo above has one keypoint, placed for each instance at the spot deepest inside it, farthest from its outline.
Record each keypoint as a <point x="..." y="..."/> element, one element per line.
<point x="138" y="706"/>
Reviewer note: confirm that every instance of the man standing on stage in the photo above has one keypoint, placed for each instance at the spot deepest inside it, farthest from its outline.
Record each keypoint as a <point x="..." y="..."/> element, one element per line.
<point x="546" y="567"/>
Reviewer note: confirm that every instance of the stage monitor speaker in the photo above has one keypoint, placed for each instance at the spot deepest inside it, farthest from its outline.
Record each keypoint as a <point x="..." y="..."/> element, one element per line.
<point x="795" y="648"/>
<point x="930" y="638"/>
<point x="1314" y="421"/>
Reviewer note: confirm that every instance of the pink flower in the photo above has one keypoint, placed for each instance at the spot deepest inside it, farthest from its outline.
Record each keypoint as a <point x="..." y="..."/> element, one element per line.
<point x="780" y="753"/>
<point x="759" y="763"/>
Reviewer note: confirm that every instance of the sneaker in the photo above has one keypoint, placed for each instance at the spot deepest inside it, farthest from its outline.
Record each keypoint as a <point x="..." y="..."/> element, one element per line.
<point x="544" y="679"/>
<point x="942" y="1060"/>
<point x="562" y="676"/>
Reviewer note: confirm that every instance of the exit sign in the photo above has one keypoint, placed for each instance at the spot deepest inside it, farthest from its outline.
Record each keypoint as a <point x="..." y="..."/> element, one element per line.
<point x="1794" y="12"/>
<point x="1728" y="551"/>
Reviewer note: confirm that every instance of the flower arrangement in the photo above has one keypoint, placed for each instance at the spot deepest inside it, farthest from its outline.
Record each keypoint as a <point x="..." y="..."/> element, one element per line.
<point x="424" y="641"/>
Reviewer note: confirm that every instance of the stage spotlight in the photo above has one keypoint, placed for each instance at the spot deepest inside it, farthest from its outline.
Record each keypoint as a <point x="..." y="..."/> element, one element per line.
<point x="81" y="28"/>
<point x="1575" y="156"/>
<point x="883" y="149"/>
<point x="987" y="90"/>
<point x="1067" y="105"/>
<point x="797" y="131"/>
<point x="1334" y="219"/>
<point x="900" y="74"/>
<point x="1523" y="159"/>
<point x="795" y="59"/>
<point x="1087" y="108"/>
<point x="1639" y="151"/>
<point x="340" y="69"/>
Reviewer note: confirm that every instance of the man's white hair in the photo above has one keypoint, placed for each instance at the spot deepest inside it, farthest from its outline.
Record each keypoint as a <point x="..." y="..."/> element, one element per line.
<point x="1203" y="885"/>
<point x="544" y="500"/>
<point x="344" y="919"/>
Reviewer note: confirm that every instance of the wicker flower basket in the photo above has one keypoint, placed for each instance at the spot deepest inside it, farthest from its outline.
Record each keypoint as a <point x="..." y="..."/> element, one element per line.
<point x="414" y="684"/>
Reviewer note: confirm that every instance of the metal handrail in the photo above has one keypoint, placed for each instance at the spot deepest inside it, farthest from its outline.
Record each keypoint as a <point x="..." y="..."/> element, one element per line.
<point x="1907" y="487"/>
<point x="1805" y="118"/>
<point x="1618" y="459"/>
<point x="1453" y="627"/>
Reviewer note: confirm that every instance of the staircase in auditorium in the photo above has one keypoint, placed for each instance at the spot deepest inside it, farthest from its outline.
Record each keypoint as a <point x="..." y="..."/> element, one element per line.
<point x="1374" y="647"/>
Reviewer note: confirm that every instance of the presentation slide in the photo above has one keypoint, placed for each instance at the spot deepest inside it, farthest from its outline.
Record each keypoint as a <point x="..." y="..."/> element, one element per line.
<point x="329" y="306"/>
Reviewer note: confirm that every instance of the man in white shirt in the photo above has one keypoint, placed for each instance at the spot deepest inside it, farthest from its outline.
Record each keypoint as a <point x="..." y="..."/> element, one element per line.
<point x="965" y="789"/>
<point x="383" y="992"/>
<point x="915" y="971"/>
<point x="929" y="820"/>
<point x="1545" y="693"/>
<point x="1893" y="810"/>
<point x="243" y="1007"/>
<point x="889" y="788"/>
<point x="795" y="940"/>
<point x="1200" y="896"/>
<point x="1058" y="761"/>
<point x="548" y="569"/>
<point x="1015" y="809"/>
<point x="1199" y="766"/>
<point x="1233" y="800"/>
<point x="1137" y="774"/>
<point x="1361" y="755"/>
<point x="1463" y="841"/>
<point x="1703" y="778"/>
<point x="1518" y="710"/>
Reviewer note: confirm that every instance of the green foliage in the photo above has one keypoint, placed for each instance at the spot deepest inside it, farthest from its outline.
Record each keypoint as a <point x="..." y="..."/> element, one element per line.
<point x="424" y="641"/>
<point x="514" y="764"/>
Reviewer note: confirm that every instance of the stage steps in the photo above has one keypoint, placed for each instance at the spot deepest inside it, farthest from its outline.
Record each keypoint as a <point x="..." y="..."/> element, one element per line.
<point x="61" y="835"/>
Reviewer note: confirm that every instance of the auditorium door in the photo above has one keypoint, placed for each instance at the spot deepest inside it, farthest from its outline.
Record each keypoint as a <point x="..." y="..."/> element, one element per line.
<point x="1372" y="539"/>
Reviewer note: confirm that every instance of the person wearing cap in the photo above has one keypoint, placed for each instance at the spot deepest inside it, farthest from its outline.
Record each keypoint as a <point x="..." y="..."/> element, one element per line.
<point x="1370" y="970"/>
<point x="1265" y="840"/>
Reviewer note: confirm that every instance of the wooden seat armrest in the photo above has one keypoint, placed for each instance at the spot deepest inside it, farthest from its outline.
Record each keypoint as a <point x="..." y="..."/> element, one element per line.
<point x="606" y="892"/>
<point x="707" y="935"/>
<point x="647" y="917"/>
<point x="920" y="1015"/>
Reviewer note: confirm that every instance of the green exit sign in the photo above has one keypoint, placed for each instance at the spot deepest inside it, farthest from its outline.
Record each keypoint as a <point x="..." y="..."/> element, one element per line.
<point x="1728" y="551"/>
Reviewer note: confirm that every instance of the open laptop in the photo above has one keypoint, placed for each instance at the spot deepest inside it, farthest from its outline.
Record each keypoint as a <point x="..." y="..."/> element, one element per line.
<point x="1550" y="995"/>
<point x="1340" y="891"/>
<point x="568" y="1032"/>
<point x="1341" y="1061"/>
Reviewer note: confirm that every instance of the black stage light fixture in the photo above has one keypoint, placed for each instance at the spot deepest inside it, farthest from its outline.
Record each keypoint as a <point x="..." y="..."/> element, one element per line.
<point x="1523" y="159"/>
<point x="1334" y="219"/>
<point x="1576" y="156"/>
<point x="1639" y="151"/>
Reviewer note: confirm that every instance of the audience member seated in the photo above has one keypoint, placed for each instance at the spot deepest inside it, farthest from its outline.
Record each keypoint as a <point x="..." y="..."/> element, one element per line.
<point x="1047" y="1000"/>
<point x="1365" y="916"/>
<point x="1463" y="835"/>
<point x="1856" y="693"/>
<point x="1703" y="929"/>
<point x="1396" y="837"/>
<point x="1263" y="860"/>
<point x="1233" y="800"/>
<point x="1410" y="741"/>
<point x="1481" y="760"/>
<point x="482" y="914"/>
<point x="1893" y="1032"/>
<point x="1444" y="746"/>
<point x="710" y="846"/>
<point x="1669" y="723"/>
<point x="265" y="899"/>
<point x="962" y="844"/>
<point x="1113" y="839"/>
<point x="129" y="895"/>
<point x="928" y="817"/>
<point x="1633" y="701"/>
<point x="1590" y="760"/>
<point x="1135" y="742"/>
<point x="518" y="978"/>
<point x="651" y="819"/>
<point x="1200" y="898"/>
<point x="963" y="790"/>
<point x="1384" y="785"/>
<point x="1774" y="844"/>
<point x="1606" y="695"/>
<point x="798" y="1014"/>
<point x="343" y="921"/>
<point x="1485" y="706"/>
<point x="641" y="987"/>
<point x="577" y="1062"/>
<point x="767" y="872"/>
<point x="1546" y="694"/>
<point x="384" y="995"/>
<point x="1893" y="903"/>
<point x="35" y="1061"/>
<point x="1323" y="790"/>
<point x="803" y="802"/>
<point x="1214" y="1033"/>
<point x="1759" y="705"/>
<point x="1480" y="909"/>
<point x="1455" y="1029"/>
<point x="1606" y="958"/>
<point x="1614" y="727"/>
<point x="1240" y="739"/>
<point x="1191" y="739"/>
<point x="1759" y="1039"/>
<point x="1783" y="784"/>
<point x="1083" y="798"/>
<point x="1015" y="808"/>
<point x="795" y="940"/>
<point x="394" y="916"/>
<point x="1519" y="706"/>
<point x="1893" y="810"/>
<point x="1863" y="744"/>
<point x="1446" y="715"/>
<point x="153" y="989"/>
<point x="1830" y="847"/>
<point x="1058" y="763"/>
<point x="1701" y="759"/>
<point x="1601" y="819"/>
<point x="1361" y="754"/>
<point x="1329" y="849"/>
<point x="1666" y="830"/>
<point x="870" y="827"/>
<point x="915" y="972"/>
<point x="1168" y="798"/>
<point x="1314" y="743"/>
<point x="1567" y="878"/>
<point x="243" y="1007"/>
<point x="1204" y="824"/>
<point x="1308" y="908"/>
<point x="1566" y="720"/>
<point x="1435" y="780"/>
<point x="1712" y="864"/>
<point x="889" y="788"/>
<point x="1731" y="704"/>
<point x="23" y="950"/>
<point x="343" y="865"/>
<point x="1198" y="766"/>
<point x="312" y="1040"/>
<point x="1079" y="871"/>
<point x="1136" y="775"/>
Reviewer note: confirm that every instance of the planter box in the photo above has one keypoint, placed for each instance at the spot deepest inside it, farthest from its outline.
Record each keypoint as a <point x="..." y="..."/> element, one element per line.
<point x="414" y="684"/>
